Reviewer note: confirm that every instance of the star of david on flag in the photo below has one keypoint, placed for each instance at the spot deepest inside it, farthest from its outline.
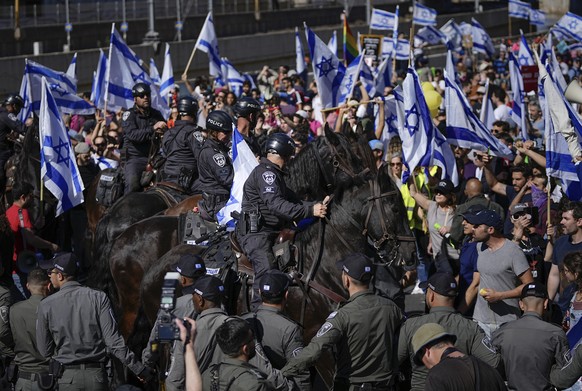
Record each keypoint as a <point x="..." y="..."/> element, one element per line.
<point x="537" y="17"/>
<point x="58" y="166"/>
<point x="572" y="24"/>
<point x="519" y="9"/>
<point x="383" y="20"/>
<point x="423" y="15"/>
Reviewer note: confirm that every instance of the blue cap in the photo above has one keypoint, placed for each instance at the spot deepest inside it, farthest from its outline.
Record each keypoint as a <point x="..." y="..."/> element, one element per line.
<point x="376" y="145"/>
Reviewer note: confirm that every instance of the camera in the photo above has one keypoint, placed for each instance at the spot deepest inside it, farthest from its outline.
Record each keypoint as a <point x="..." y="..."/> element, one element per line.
<point x="526" y="209"/>
<point x="167" y="331"/>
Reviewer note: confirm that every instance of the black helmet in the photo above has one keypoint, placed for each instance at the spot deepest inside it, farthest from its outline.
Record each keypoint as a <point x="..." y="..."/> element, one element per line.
<point x="141" y="89"/>
<point x="281" y="144"/>
<point x="14" y="99"/>
<point x="246" y="106"/>
<point x="219" y="121"/>
<point x="187" y="106"/>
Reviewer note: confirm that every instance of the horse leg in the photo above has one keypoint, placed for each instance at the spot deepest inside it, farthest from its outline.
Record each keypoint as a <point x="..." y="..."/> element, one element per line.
<point x="128" y="284"/>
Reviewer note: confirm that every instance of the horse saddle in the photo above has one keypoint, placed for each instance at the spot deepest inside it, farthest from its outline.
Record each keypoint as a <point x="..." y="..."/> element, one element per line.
<point x="170" y="192"/>
<point x="193" y="229"/>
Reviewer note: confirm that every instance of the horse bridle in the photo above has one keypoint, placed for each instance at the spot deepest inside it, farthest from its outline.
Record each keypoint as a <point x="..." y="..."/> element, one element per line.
<point x="338" y="163"/>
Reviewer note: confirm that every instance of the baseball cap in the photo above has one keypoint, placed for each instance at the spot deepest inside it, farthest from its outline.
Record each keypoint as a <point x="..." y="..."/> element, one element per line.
<point x="75" y="135"/>
<point x="428" y="334"/>
<point x="274" y="283"/>
<point x="66" y="263"/>
<point x="485" y="216"/>
<point x="210" y="288"/>
<point x="190" y="265"/>
<point x="357" y="266"/>
<point x="518" y="208"/>
<point x="82" y="148"/>
<point x="445" y="187"/>
<point x="442" y="283"/>
<point x="535" y="289"/>
<point x="376" y="145"/>
<point x="301" y="113"/>
<point x="484" y="66"/>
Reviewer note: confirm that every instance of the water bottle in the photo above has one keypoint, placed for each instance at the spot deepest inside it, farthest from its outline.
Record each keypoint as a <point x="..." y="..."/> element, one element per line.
<point x="437" y="226"/>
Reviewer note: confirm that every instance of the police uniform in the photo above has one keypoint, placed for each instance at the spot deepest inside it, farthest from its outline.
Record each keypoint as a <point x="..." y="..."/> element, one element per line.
<point x="6" y="341"/>
<point x="29" y="361"/>
<point x="234" y="375"/>
<point x="76" y="327"/>
<point x="266" y="195"/>
<point x="565" y="375"/>
<point x="181" y="146"/>
<point x="215" y="175"/>
<point x="138" y="130"/>
<point x="8" y="124"/>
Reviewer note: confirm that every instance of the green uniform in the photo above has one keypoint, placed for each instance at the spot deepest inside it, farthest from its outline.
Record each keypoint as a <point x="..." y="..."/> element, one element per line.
<point x="6" y="342"/>
<point x="235" y="375"/>
<point x="564" y="376"/>
<point x="27" y="357"/>
<point x="363" y="334"/>
<point x="205" y="345"/>
<point x="470" y="340"/>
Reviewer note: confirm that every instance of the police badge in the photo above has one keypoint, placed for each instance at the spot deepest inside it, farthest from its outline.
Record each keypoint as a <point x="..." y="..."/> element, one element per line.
<point x="219" y="159"/>
<point x="269" y="177"/>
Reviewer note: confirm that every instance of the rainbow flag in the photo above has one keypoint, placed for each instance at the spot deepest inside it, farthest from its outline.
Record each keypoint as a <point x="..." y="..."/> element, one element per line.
<point x="350" y="44"/>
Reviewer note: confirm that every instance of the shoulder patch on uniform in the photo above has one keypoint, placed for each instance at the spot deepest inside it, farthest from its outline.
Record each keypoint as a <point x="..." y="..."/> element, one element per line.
<point x="126" y="115"/>
<point x="269" y="177"/>
<point x="567" y="357"/>
<point x="332" y="315"/>
<point x="198" y="136"/>
<point x="258" y="374"/>
<point x="269" y="189"/>
<point x="12" y="117"/>
<point x="488" y="344"/>
<point x="324" y="329"/>
<point x="219" y="159"/>
<point x="296" y="352"/>
<point x="4" y="311"/>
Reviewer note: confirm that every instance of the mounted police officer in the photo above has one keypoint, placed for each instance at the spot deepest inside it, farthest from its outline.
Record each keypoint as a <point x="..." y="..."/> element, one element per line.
<point x="246" y="111"/>
<point x="10" y="127"/>
<point x="214" y="164"/>
<point x="268" y="206"/>
<point x="140" y="124"/>
<point x="181" y="146"/>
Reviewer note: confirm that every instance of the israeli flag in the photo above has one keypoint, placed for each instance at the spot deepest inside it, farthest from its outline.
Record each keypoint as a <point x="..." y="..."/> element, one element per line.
<point x="572" y="24"/>
<point x="167" y="80"/>
<point x="537" y="17"/>
<point x="300" y="66"/>
<point x="26" y="111"/>
<point x="72" y="70"/>
<point x="444" y="157"/>
<point x="391" y="118"/>
<point x="154" y="73"/>
<point x="395" y="31"/>
<point x="367" y="79"/>
<point x="387" y="47"/>
<point x="403" y="49"/>
<point x="62" y="86"/>
<point x="208" y="43"/>
<point x="482" y="42"/>
<point x="487" y="115"/>
<point x="562" y="34"/>
<point x="430" y="35"/>
<point x="383" y="20"/>
<point x="557" y="74"/>
<point x="423" y="15"/>
<point x="332" y="44"/>
<point x="451" y="69"/>
<point x="525" y="56"/>
<point x="98" y="87"/>
<point x="453" y="35"/>
<point x="464" y="128"/>
<point x="234" y="78"/>
<point x="350" y="78"/>
<point x="383" y="77"/>
<point x="58" y="166"/>
<point x="243" y="163"/>
<point x="328" y="70"/>
<point x="518" y="112"/>
<point x="519" y="9"/>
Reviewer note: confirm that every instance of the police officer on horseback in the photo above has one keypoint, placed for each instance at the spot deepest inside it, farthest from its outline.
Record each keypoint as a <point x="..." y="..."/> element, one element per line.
<point x="214" y="164"/>
<point x="268" y="206"/>
<point x="181" y="146"/>
<point x="140" y="125"/>
<point x="246" y="112"/>
<point x="10" y="128"/>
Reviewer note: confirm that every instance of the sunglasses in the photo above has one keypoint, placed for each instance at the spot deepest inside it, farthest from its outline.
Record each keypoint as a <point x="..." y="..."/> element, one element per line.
<point x="395" y="164"/>
<point x="142" y="96"/>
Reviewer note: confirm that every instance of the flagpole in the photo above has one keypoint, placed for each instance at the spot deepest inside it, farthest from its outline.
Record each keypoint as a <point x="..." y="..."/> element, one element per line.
<point x="509" y="23"/>
<point x="411" y="42"/>
<point x="185" y="74"/>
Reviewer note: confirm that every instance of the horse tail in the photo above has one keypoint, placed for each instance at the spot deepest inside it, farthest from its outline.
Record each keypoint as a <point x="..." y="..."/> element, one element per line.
<point x="100" y="276"/>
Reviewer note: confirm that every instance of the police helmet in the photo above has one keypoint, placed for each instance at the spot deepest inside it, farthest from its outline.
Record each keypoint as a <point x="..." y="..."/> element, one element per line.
<point x="246" y="106"/>
<point x="14" y="99"/>
<point x="281" y="144"/>
<point x="187" y="106"/>
<point x="219" y="121"/>
<point x="141" y="89"/>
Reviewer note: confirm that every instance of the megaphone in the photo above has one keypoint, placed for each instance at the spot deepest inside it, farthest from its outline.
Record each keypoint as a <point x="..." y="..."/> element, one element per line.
<point x="574" y="92"/>
<point x="26" y="261"/>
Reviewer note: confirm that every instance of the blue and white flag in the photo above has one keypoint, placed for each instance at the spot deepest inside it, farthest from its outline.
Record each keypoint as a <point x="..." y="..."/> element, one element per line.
<point x="208" y="43"/>
<point x="537" y="17"/>
<point x="328" y="70"/>
<point x="482" y="42"/>
<point x="423" y="15"/>
<point x="124" y="70"/>
<point x="562" y="34"/>
<point x="383" y="20"/>
<point x="403" y="49"/>
<point x="453" y="35"/>
<point x="58" y="166"/>
<point x="395" y="31"/>
<point x="430" y="35"/>
<point x="443" y="157"/>
<point x="26" y="111"/>
<point x="61" y="85"/>
<point x="367" y="78"/>
<point x="332" y="44"/>
<point x="487" y="115"/>
<point x="571" y="24"/>
<point x="387" y="47"/>
<point x="519" y="9"/>
<point x="72" y="70"/>
<point x="243" y="163"/>
<point x="575" y="46"/>
<point x="167" y="80"/>
<point x="300" y="66"/>
<point x="233" y="77"/>
<point x="350" y="78"/>
<point x="464" y="128"/>
<point x="518" y="112"/>
<point x="98" y="87"/>
<point x="525" y="56"/>
<point x="383" y="77"/>
<point x="558" y="76"/>
<point x="390" y="117"/>
<point x="154" y="73"/>
<point x="451" y="69"/>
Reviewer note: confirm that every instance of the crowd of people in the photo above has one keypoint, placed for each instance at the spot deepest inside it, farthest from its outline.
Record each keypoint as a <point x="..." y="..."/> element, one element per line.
<point x="499" y="254"/>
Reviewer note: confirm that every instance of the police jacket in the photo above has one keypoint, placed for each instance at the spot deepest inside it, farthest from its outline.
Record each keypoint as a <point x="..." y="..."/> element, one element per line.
<point x="181" y="146"/>
<point x="265" y="191"/>
<point x="235" y="375"/>
<point x="23" y="326"/>
<point x="205" y="345"/>
<point x="215" y="172"/>
<point x="363" y="332"/>
<point x="8" y="123"/>
<point x="138" y="130"/>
